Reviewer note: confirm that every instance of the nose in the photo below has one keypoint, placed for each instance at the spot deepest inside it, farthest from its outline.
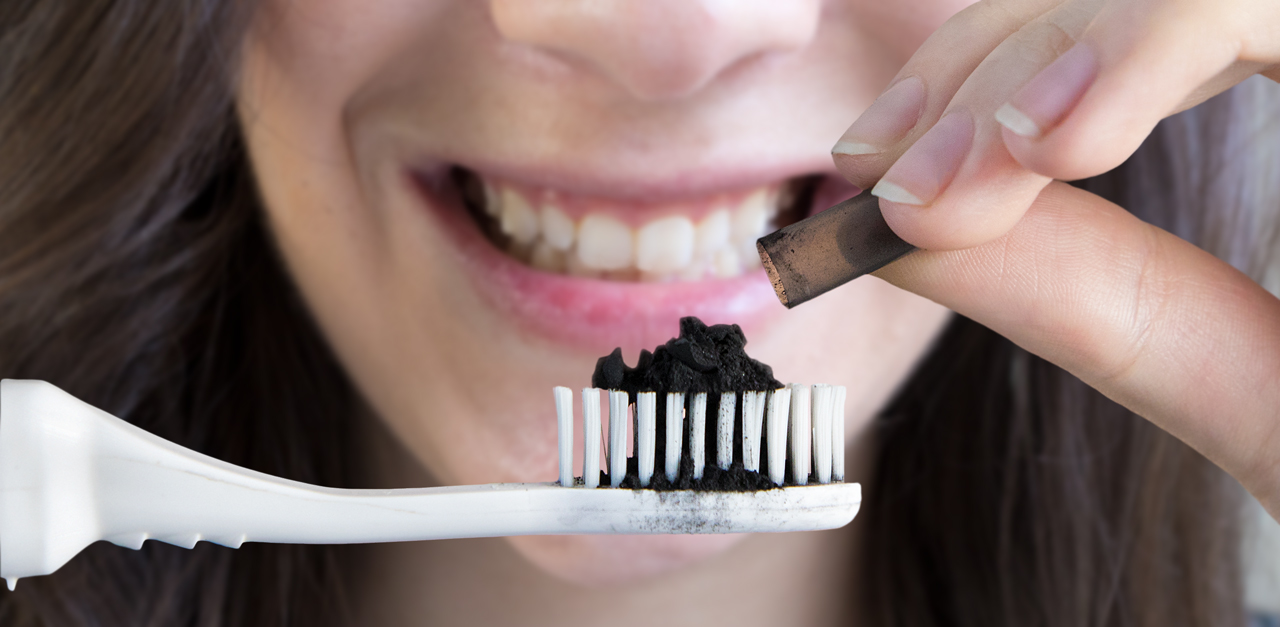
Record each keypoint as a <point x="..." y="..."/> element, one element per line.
<point x="659" y="49"/>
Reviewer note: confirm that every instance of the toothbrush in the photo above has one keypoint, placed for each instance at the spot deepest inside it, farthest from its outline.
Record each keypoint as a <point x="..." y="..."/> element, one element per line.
<point x="71" y="474"/>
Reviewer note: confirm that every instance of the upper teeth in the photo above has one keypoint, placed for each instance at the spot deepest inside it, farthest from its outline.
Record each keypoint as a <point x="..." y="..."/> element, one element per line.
<point x="672" y="247"/>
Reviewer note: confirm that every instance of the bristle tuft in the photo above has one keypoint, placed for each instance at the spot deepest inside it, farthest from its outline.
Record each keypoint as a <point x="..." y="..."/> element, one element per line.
<point x="619" y="406"/>
<point x="801" y="439"/>
<point x="591" y="437"/>
<point x="675" y="434"/>
<point x="753" y="406"/>
<point x="837" y="436"/>
<point x="646" y="435"/>
<point x="779" y="412"/>
<point x="724" y="430"/>
<point x="564" y="415"/>
<point x="698" y="434"/>
<point x="823" y="407"/>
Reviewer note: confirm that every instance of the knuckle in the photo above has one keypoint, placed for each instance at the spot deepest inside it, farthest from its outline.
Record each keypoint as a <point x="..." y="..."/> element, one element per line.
<point x="1046" y="38"/>
<point x="1110" y="332"/>
<point x="1140" y="322"/>
<point x="1015" y="12"/>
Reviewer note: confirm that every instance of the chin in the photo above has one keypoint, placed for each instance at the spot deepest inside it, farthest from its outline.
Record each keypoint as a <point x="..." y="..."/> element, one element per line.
<point x="602" y="561"/>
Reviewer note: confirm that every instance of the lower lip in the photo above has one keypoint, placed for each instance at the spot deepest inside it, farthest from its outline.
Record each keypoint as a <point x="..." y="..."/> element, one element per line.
<point x="595" y="314"/>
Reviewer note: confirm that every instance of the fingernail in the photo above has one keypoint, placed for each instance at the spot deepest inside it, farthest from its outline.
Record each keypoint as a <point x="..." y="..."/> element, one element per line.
<point x="925" y="171"/>
<point x="1044" y="101"/>
<point x="892" y="192"/>
<point x="886" y="121"/>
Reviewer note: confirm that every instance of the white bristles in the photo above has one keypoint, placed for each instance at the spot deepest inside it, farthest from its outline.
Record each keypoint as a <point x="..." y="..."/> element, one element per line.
<point x="801" y="439"/>
<point x="564" y="415"/>
<point x="753" y="404"/>
<point x="724" y="430"/>
<point x="698" y="433"/>
<point x="748" y="410"/>
<point x="591" y="437"/>
<point x="779" y="406"/>
<point x="837" y="436"/>
<point x="762" y="402"/>
<point x="646" y="434"/>
<point x="823" y="406"/>
<point x="803" y="426"/>
<point x="675" y="433"/>
<point x="618" y="406"/>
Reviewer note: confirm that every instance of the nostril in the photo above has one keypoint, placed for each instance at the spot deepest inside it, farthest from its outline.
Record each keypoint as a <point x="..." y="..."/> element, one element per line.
<point x="658" y="49"/>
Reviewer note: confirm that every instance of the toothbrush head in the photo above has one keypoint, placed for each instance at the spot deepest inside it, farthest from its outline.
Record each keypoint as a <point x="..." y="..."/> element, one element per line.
<point x="761" y="440"/>
<point x="665" y="400"/>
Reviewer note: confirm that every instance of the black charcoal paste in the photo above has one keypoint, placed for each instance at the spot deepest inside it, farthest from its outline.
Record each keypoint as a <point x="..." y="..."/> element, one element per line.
<point x="703" y="358"/>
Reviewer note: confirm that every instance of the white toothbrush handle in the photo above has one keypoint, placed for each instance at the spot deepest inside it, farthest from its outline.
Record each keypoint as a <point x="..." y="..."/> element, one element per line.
<point x="71" y="474"/>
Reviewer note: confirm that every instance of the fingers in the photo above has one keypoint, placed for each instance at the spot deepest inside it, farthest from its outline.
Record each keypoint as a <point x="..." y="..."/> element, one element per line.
<point x="916" y="99"/>
<point x="1151" y="321"/>
<point x="966" y="138"/>
<point x="956" y="185"/>
<point x="1137" y="63"/>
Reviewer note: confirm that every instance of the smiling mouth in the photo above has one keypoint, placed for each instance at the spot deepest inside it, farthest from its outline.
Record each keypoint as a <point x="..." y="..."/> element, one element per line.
<point x="712" y="237"/>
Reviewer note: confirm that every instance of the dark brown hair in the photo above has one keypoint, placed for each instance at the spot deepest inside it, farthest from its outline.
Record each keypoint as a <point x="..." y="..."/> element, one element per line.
<point x="137" y="274"/>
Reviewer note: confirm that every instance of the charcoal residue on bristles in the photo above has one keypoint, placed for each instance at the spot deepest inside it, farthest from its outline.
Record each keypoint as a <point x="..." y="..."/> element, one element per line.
<point x="702" y="358"/>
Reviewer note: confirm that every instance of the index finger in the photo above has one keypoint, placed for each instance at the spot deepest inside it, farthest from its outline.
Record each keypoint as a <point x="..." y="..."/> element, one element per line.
<point x="924" y="87"/>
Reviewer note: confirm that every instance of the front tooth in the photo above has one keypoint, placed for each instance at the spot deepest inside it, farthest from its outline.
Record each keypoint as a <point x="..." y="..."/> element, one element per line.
<point x="574" y="267"/>
<point x="749" y="221"/>
<point x="546" y="258"/>
<point x="519" y="221"/>
<point x="784" y="197"/>
<point x="492" y="202"/>
<point x="725" y="263"/>
<point x="694" y="271"/>
<point x="713" y="233"/>
<point x="557" y="228"/>
<point x="749" y="256"/>
<point x="664" y="246"/>
<point x="604" y="243"/>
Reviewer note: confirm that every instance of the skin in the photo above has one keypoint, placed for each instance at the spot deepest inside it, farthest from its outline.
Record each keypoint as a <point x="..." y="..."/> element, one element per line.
<point x="1181" y="338"/>
<point x="339" y="98"/>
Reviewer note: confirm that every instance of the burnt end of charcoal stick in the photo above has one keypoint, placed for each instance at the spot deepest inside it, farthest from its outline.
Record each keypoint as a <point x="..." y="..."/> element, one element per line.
<point x="824" y="251"/>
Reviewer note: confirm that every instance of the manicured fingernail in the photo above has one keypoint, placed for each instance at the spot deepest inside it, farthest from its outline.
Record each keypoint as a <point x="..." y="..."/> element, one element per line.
<point x="1044" y="101"/>
<point x="886" y="121"/>
<point x="925" y="171"/>
<point x="892" y="192"/>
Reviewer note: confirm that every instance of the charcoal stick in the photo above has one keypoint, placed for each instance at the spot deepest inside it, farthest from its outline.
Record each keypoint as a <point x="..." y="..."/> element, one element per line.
<point x="824" y="251"/>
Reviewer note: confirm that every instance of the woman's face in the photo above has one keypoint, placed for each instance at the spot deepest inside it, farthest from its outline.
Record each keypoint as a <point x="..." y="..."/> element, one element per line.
<point x="631" y="153"/>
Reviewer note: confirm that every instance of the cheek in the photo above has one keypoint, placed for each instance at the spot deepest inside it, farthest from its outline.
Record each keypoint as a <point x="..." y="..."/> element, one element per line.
<point x="326" y="49"/>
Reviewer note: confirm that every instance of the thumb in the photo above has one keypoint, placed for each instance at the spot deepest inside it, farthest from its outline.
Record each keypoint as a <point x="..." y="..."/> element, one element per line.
<point x="1148" y="319"/>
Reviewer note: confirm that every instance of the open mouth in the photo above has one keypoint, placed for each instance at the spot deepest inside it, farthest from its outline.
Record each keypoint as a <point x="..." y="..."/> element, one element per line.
<point x="713" y="237"/>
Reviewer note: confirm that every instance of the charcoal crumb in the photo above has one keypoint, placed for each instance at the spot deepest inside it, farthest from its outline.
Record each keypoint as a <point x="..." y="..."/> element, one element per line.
<point x="610" y="371"/>
<point x="702" y="358"/>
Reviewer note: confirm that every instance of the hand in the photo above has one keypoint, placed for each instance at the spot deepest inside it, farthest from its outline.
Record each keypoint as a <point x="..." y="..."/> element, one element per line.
<point x="1009" y="95"/>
